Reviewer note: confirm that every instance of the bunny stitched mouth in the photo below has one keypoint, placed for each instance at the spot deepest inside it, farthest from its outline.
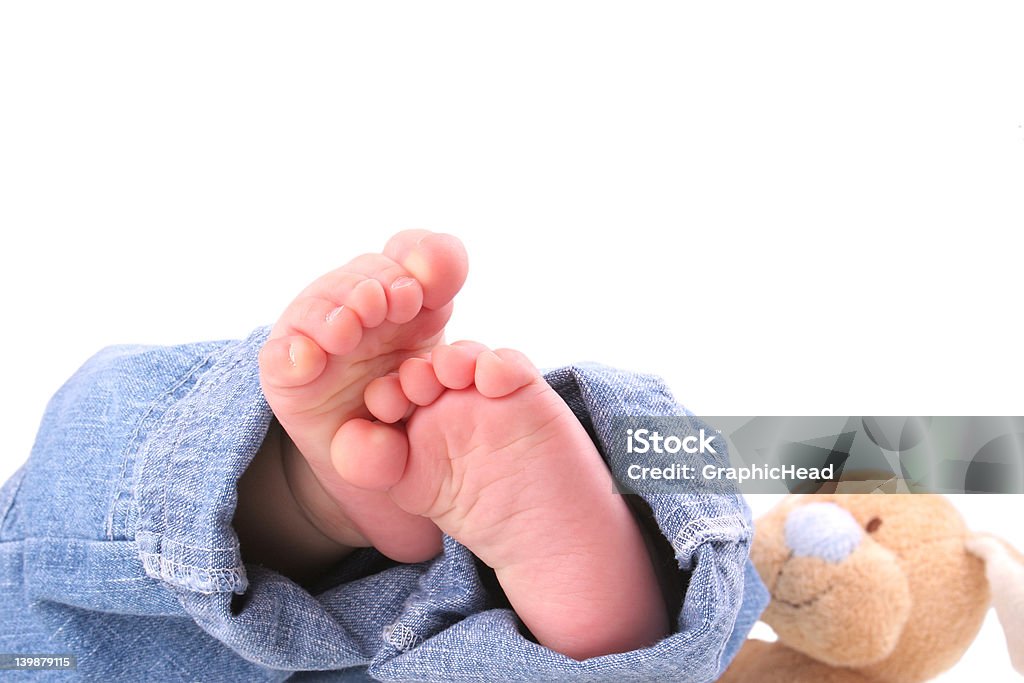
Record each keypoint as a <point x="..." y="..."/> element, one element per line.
<point x="809" y="602"/>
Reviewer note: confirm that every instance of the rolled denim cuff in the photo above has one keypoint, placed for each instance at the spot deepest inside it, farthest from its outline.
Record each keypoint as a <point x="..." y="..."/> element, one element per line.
<point x="185" y="496"/>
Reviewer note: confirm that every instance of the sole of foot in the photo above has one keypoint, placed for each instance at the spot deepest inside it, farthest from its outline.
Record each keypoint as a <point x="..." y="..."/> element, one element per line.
<point x="491" y="454"/>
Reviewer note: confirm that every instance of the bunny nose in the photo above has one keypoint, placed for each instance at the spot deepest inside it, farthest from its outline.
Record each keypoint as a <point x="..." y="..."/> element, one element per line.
<point x="822" y="530"/>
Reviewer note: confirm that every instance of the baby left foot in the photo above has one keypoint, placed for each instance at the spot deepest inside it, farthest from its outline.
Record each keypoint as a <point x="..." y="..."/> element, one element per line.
<point x="344" y="330"/>
<point x="498" y="461"/>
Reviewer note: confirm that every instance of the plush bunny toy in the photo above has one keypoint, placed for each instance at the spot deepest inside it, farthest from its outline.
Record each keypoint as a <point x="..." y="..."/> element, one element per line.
<point x="876" y="589"/>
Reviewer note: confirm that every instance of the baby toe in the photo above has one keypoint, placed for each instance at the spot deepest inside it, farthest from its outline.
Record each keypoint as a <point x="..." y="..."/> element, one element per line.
<point x="336" y="329"/>
<point x="501" y="372"/>
<point x="369" y="301"/>
<point x="405" y="299"/>
<point x="455" y="364"/>
<point x="290" y="361"/>
<point x="419" y="383"/>
<point x="385" y="399"/>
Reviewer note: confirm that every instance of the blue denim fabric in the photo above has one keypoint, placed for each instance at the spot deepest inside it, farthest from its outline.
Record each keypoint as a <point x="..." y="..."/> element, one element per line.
<point x="116" y="546"/>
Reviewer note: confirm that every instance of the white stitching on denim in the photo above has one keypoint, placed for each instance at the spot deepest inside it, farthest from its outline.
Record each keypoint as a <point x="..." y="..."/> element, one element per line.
<point x="198" y="579"/>
<point x="157" y="564"/>
<point x="202" y="579"/>
<point x="729" y="528"/>
<point x="400" y="636"/>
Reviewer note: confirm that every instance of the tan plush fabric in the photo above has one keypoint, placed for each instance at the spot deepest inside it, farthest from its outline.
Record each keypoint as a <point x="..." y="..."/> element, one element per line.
<point x="902" y="607"/>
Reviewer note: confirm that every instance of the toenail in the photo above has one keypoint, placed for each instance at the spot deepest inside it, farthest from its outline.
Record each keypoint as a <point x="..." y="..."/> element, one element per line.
<point x="291" y="355"/>
<point x="402" y="282"/>
<point x="334" y="314"/>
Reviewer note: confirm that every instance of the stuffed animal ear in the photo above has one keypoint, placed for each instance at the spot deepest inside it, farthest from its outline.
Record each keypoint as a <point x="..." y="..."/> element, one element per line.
<point x="1004" y="568"/>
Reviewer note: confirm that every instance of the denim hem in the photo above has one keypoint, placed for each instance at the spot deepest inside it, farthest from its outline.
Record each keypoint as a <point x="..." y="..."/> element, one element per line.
<point x="190" y="462"/>
<point x="702" y="530"/>
<point x="158" y="555"/>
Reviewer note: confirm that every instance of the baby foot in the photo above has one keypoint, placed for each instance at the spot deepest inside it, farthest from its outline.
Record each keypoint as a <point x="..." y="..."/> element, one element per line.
<point x="347" y="328"/>
<point x="495" y="458"/>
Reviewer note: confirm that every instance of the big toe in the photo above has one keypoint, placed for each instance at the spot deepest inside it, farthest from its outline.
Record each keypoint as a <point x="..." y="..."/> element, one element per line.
<point x="369" y="455"/>
<point x="437" y="260"/>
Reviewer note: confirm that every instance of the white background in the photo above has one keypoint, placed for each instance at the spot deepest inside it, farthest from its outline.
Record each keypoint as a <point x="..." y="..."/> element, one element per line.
<point x="781" y="208"/>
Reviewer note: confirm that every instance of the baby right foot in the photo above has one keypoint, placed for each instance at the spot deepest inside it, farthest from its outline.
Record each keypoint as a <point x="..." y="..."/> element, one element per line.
<point x="498" y="461"/>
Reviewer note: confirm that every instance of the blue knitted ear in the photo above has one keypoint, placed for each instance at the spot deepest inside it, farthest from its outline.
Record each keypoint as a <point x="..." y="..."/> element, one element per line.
<point x="822" y="530"/>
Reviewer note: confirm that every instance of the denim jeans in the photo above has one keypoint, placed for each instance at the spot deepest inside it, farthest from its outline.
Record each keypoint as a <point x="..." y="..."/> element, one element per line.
<point x="116" y="546"/>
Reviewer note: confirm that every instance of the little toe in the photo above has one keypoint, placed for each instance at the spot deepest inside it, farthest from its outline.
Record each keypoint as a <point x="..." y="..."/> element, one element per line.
<point x="385" y="399"/>
<point x="501" y="372"/>
<point x="437" y="260"/>
<point x="419" y="383"/>
<point x="455" y="364"/>
<point x="369" y="455"/>
<point x="291" y="361"/>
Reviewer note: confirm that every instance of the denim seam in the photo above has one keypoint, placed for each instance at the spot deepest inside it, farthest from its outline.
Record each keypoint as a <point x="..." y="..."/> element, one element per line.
<point x="165" y="541"/>
<point x="190" y="378"/>
<point x="219" y="376"/>
<point x="698" y="531"/>
<point x="234" y="576"/>
<point x="7" y="504"/>
<point x="131" y="449"/>
<point x="162" y="562"/>
<point x="399" y="635"/>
